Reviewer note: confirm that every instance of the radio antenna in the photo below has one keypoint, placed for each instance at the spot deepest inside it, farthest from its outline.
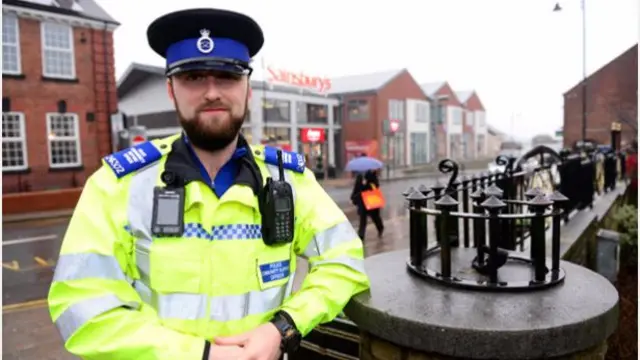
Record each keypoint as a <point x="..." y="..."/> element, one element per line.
<point x="280" y="165"/>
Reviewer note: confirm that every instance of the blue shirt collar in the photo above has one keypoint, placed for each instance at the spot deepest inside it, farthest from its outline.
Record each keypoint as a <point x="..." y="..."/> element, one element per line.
<point x="225" y="177"/>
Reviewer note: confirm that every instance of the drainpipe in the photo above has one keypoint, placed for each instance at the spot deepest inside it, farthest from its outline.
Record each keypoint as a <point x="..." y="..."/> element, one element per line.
<point x="106" y="81"/>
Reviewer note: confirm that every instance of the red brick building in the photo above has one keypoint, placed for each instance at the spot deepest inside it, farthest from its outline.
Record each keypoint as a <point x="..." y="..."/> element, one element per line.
<point x="475" y="132"/>
<point x="367" y="101"/>
<point x="449" y="131"/>
<point x="58" y="93"/>
<point x="612" y="96"/>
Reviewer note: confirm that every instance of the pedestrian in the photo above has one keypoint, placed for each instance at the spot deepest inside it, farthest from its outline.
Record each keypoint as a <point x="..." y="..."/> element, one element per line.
<point x="184" y="247"/>
<point x="364" y="182"/>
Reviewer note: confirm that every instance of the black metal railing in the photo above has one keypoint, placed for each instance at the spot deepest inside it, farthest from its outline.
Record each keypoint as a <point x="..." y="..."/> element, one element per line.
<point x="495" y="213"/>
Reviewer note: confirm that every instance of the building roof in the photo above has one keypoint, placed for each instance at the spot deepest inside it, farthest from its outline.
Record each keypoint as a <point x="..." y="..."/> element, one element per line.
<point x="134" y="75"/>
<point x="632" y="49"/>
<point x="464" y="95"/>
<point x="137" y="73"/>
<point x="88" y="9"/>
<point x="363" y="82"/>
<point x="430" y="89"/>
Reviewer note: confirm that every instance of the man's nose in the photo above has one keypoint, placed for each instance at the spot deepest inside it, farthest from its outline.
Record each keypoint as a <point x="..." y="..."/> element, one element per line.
<point x="212" y="91"/>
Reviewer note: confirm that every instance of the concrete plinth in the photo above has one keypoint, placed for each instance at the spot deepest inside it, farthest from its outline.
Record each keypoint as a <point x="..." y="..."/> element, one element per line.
<point x="406" y="317"/>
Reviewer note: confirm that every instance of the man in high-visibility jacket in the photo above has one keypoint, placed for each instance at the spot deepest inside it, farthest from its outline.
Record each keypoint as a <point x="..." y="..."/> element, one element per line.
<point x="165" y="256"/>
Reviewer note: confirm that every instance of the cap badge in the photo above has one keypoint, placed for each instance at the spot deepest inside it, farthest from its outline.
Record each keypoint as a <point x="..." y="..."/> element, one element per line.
<point x="205" y="43"/>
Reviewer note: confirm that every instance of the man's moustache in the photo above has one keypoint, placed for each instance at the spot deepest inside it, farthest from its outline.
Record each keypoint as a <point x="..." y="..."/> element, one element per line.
<point x="212" y="106"/>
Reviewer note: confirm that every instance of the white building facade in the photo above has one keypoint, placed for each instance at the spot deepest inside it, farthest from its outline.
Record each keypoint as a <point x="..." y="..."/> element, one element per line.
<point x="419" y="132"/>
<point x="454" y="132"/>
<point x="480" y="131"/>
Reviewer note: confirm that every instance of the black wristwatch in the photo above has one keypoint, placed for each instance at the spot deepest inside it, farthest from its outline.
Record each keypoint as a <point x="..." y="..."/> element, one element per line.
<point x="290" y="335"/>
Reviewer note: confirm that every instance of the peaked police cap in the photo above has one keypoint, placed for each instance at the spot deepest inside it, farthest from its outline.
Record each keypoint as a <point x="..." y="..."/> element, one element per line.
<point x="206" y="39"/>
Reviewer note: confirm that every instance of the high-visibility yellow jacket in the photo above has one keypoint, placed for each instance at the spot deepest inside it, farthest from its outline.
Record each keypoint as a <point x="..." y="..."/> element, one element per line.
<point x="120" y="293"/>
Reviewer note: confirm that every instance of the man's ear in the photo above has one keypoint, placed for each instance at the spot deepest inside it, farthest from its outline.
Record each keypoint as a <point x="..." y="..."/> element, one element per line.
<point x="170" y="89"/>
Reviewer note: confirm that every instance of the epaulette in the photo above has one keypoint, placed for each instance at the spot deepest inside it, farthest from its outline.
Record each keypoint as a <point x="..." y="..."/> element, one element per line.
<point x="290" y="160"/>
<point x="133" y="158"/>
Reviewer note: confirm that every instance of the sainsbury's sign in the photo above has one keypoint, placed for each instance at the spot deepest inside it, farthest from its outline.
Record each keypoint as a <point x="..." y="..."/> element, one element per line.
<point x="300" y="79"/>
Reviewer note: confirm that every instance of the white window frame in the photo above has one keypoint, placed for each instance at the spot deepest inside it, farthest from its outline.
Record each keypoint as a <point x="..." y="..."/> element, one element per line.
<point x="470" y="118"/>
<point x="43" y="25"/>
<point x="422" y="113"/>
<point x="76" y="138"/>
<point x="396" y="110"/>
<point x="22" y="139"/>
<point x="457" y="116"/>
<point x="17" y="46"/>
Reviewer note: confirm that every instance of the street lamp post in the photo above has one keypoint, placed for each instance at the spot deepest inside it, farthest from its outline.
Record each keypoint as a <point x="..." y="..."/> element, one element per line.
<point x="584" y="66"/>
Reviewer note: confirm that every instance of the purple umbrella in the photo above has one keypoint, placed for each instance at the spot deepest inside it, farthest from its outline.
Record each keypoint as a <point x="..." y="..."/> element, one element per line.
<point x="363" y="164"/>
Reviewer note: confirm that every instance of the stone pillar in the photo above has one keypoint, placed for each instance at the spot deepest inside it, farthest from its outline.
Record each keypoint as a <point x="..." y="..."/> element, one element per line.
<point x="404" y="317"/>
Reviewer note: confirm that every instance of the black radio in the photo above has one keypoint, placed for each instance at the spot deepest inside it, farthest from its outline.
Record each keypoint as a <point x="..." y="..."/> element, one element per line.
<point x="276" y="207"/>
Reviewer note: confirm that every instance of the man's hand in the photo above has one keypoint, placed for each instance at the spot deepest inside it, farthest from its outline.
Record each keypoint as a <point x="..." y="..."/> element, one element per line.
<point x="220" y="352"/>
<point x="261" y="343"/>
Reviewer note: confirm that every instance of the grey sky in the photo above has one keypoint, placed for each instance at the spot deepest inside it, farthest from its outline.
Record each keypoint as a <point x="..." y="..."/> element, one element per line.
<point x="518" y="54"/>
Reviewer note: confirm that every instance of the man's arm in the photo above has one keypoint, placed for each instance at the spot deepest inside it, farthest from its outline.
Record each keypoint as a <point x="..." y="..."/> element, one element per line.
<point x="328" y="241"/>
<point x="92" y="303"/>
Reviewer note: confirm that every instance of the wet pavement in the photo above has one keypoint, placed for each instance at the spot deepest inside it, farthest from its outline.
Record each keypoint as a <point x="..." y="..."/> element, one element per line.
<point x="29" y="252"/>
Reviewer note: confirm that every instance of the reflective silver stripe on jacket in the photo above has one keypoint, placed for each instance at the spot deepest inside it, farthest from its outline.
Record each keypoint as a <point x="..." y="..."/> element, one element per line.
<point x="140" y="205"/>
<point x="334" y="236"/>
<point x="79" y="313"/>
<point x="327" y="239"/>
<point x="186" y="306"/>
<point x="87" y="265"/>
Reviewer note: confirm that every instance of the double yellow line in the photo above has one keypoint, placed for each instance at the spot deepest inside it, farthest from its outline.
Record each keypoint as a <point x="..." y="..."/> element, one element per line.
<point x="26" y="305"/>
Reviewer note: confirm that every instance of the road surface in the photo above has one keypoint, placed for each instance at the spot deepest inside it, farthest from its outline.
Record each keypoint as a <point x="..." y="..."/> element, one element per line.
<point x="30" y="249"/>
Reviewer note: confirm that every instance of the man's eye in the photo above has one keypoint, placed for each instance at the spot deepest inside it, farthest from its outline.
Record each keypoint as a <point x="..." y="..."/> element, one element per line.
<point x="194" y="77"/>
<point x="228" y="76"/>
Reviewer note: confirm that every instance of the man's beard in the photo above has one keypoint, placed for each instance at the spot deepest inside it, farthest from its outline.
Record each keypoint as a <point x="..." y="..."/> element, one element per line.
<point x="205" y="138"/>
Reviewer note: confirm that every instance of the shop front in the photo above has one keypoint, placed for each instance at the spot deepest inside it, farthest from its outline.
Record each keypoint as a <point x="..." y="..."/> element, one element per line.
<point x="312" y="142"/>
<point x="279" y="137"/>
<point x="354" y="148"/>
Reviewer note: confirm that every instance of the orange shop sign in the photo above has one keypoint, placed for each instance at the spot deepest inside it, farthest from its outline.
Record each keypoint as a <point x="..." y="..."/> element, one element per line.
<point x="300" y="79"/>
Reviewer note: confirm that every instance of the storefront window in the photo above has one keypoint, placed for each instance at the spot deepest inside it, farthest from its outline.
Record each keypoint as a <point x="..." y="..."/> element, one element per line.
<point x="455" y="146"/>
<point x="358" y="109"/>
<point x="312" y="113"/>
<point x="419" y="148"/>
<point x="314" y="152"/>
<point x="337" y="114"/>
<point x="277" y="136"/>
<point x="467" y="146"/>
<point x="276" y="110"/>
<point x="338" y="149"/>
<point x="393" y="149"/>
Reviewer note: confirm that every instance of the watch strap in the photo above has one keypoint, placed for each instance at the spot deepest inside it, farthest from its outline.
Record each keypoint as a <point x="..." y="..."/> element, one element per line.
<point x="290" y="336"/>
